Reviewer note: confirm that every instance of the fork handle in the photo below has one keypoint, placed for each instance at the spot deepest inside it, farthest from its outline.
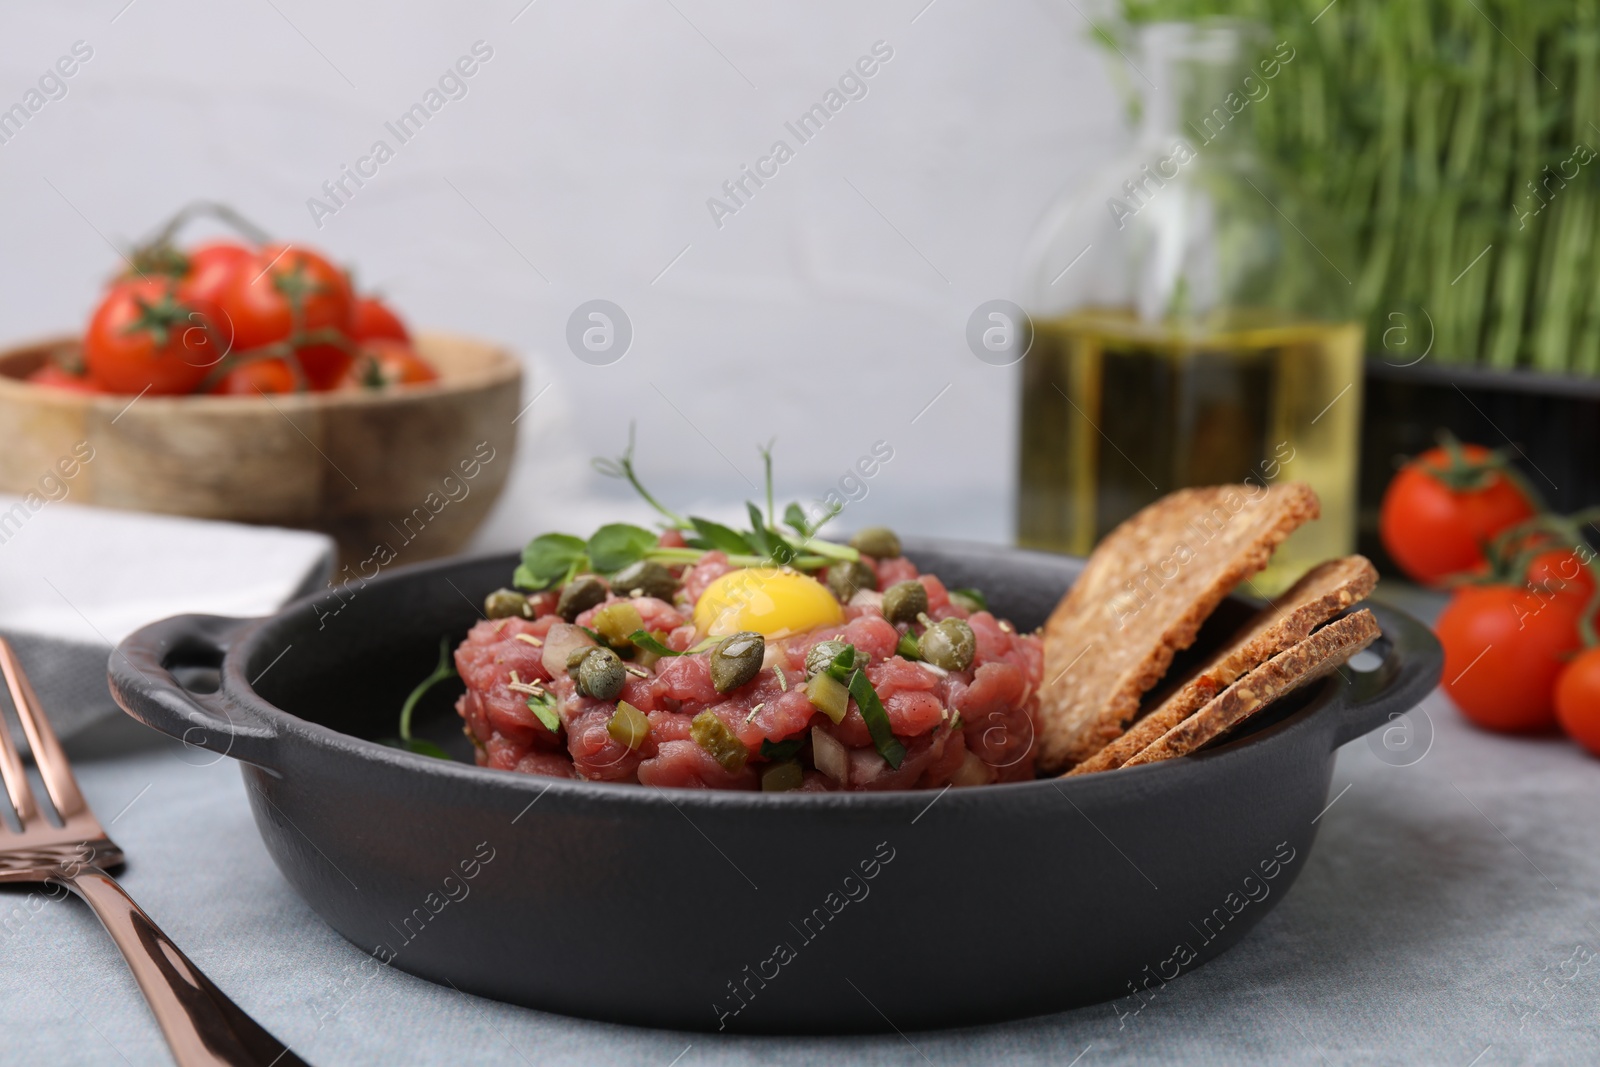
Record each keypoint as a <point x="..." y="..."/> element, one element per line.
<point x="201" y="1024"/>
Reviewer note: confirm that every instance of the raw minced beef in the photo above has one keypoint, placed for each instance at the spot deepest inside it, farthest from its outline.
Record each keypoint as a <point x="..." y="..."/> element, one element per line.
<point x="968" y="727"/>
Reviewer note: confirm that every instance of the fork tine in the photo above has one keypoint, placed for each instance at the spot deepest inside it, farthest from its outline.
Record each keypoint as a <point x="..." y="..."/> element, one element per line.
<point x="11" y="769"/>
<point x="47" y="752"/>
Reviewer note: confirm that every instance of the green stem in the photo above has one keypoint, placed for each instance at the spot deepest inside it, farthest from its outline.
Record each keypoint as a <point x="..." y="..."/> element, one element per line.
<point x="214" y="209"/>
<point x="622" y="467"/>
<point x="440" y="673"/>
<point x="694" y="555"/>
<point x="766" y="460"/>
<point x="822" y="548"/>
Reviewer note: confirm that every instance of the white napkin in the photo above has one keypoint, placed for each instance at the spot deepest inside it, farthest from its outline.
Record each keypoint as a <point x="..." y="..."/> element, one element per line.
<point x="75" y="580"/>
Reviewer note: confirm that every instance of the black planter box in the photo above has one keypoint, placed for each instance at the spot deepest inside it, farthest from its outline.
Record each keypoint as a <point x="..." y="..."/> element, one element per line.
<point x="1549" y="424"/>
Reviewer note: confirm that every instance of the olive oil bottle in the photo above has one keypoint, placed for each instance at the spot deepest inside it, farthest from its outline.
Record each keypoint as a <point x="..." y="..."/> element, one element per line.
<point x="1116" y="414"/>
<point x="1191" y="321"/>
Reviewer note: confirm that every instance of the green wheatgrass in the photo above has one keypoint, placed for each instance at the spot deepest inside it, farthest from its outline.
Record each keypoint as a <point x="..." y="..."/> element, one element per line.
<point x="1419" y="125"/>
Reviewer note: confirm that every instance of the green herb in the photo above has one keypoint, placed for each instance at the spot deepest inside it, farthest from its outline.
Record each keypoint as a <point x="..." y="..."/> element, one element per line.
<point x="883" y="739"/>
<point x="622" y="467"/>
<point x="909" y="647"/>
<point x="715" y="535"/>
<point x="766" y="464"/>
<point x="842" y="664"/>
<point x="651" y="643"/>
<point x="767" y="542"/>
<point x="978" y="601"/>
<point x="443" y="671"/>
<point x="544" y="707"/>
<point x="794" y="516"/>
<point x="550" y="559"/>
<point x="555" y="559"/>
<point x="781" y="750"/>
<point x="616" y="545"/>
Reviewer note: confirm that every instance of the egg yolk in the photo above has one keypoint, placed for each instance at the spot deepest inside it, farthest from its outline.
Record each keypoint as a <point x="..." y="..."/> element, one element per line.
<point x="773" y="603"/>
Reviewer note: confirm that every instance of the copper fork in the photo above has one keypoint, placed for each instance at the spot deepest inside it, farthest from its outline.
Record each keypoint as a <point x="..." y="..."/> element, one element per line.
<point x="201" y="1024"/>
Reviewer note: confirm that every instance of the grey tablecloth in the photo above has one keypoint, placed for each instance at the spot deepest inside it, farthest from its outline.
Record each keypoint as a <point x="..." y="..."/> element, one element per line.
<point x="1448" y="914"/>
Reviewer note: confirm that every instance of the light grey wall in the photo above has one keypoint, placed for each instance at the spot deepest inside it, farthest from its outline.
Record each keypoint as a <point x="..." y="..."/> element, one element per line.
<point x="828" y="312"/>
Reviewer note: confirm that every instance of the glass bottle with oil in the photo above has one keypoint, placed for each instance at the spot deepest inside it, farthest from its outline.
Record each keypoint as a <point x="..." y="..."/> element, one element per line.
<point x="1193" y="322"/>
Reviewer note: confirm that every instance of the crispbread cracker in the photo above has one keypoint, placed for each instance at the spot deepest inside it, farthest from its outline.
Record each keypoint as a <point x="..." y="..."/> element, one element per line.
<point x="1142" y="596"/>
<point x="1320" y="594"/>
<point x="1319" y="654"/>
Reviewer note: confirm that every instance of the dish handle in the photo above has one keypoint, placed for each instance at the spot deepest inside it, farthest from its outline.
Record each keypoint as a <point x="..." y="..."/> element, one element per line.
<point x="143" y="685"/>
<point x="1412" y="662"/>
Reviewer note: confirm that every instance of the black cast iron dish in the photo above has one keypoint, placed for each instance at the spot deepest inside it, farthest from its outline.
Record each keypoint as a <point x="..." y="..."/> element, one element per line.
<point x="744" y="911"/>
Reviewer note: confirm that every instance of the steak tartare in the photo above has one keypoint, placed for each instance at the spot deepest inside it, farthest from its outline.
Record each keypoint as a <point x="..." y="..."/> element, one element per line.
<point x="722" y="673"/>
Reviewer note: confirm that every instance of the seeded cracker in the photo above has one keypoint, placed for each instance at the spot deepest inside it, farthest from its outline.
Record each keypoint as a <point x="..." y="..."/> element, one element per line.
<point x="1142" y="596"/>
<point x="1317" y="655"/>
<point x="1320" y="594"/>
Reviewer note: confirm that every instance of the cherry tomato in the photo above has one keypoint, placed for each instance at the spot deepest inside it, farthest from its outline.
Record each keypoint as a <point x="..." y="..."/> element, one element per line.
<point x="1433" y="530"/>
<point x="1563" y="571"/>
<point x="148" y="335"/>
<point x="1578" y="700"/>
<point x="260" y="297"/>
<point x="256" y="377"/>
<point x="57" y="377"/>
<point x="374" y="319"/>
<point x="1504" y="647"/>
<point x="211" y="267"/>
<point x="385" y="363"/>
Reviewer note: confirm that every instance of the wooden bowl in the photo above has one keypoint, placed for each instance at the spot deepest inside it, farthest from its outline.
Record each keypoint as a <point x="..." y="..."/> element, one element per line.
<point x="404" y="474"/>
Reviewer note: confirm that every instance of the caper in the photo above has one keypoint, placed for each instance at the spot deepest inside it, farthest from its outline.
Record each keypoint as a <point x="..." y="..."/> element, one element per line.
<point x="822" y="655"/>
<point x="645" y="578"/>
<point x="575" y="657"/>
<point x="904" y="601"/>
<point x="949" y="644"/>
<point x="600" y="674"/>
<point x="879" y="542"/>
<point x="737" y="659"/>
<point x="581" y="594"/>
<point x="505" y="604"/>
<point x="848" y="577"/>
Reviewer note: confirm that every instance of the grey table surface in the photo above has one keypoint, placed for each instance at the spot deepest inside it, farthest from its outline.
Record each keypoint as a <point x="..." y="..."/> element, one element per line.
<point x="1448" y="914"/>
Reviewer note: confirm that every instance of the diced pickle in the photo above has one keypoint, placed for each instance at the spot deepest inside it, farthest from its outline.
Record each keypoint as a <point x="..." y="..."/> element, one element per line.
<point x="617" y="620"/>
<point x="829" y="696"/>
<point x="711" y="734"/>
<point x="628" y="726"/>
<point x="782" y="777"/>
